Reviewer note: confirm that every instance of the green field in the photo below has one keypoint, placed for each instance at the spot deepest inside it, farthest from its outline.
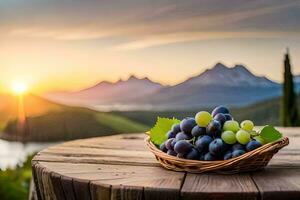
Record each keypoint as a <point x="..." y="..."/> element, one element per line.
<point x="55" y="122"/>
<point x="48" y="121"/>
<point x="72" y="123"/>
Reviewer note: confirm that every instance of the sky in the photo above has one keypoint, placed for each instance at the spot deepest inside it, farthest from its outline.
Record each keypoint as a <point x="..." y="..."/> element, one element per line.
<point x="72" y="44"/>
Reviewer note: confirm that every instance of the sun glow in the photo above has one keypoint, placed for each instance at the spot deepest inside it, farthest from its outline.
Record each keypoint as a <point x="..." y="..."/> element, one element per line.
<point x="19" y="88"/>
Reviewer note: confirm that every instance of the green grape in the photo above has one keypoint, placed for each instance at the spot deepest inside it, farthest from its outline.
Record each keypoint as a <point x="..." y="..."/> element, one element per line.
<point x="247" y="125"/>
<point x="260" y="140"/>
<point x="203" y="118"/>
<point x="228" y="137"/>
<point x="243" y="137"/>
<point x="231" y="125"/>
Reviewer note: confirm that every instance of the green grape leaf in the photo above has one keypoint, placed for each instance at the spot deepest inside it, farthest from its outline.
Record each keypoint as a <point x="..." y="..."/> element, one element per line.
<point x="270" y="134"/>
<point x="162" y="126"/>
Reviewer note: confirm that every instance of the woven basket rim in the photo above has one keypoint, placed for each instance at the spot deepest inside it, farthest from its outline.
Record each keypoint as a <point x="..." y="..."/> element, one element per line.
<point x="270" y="148"/>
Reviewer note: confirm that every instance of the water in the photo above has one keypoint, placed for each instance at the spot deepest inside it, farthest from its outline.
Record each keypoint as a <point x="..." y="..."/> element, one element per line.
<point x="13" y="153"/>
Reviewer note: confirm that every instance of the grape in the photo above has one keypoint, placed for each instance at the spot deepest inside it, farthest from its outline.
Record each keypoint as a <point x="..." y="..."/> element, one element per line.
<point x="209" y="157"/>
<point x="171" y="152"/>
<point x="214" y="128"/>
<point x="197" y="131"/>
<point x="173" y="142"/>
<point x="203" y="142"/>
<point x="169" y="144"/>
<point x="186" y="125"/>
<point x="201" y="156"/>
<point x="247" y="125"/>
<point x="231" y="126"/>
<point x="243" y="137"/>
<point x="163" y="148"/>
<point x="260" y="140"/>
<point x="203" y="118"/>
<point x="227" y="155"/>
<point x="237" y="153"/>
<point x="237" y="146"/>
<point x="192" y="155"/>
<point x="176" y="128"/>
<point x="219" y="109"/>
<point x="220" y="118"/>
<point x="183" y="147"/>
<point x="253" y="144"/>
<point x="182" y="136"/>
<point x="216" y="147"/>
<point x="228" y="137"/>
<point x="228" y="117"/>
<point x="171" y="134"/>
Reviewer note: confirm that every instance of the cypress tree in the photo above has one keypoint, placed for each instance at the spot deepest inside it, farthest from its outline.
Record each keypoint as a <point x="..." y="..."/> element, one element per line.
<point x="289" y="111"/>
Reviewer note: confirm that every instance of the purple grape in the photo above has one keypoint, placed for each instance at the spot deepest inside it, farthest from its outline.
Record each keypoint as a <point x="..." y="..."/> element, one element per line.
<point x="171" y="152"/>
<point x="253" y="144"/>
<point x="173" y="142"/>
<point x="237" y="146"/>
<point x="228" y="117"/>
<point x="201" y="156"/>
<point x="220" y="118"/>
<point x="209" y="157"/>
<point x="187" y="124"/>
<point x="183" y="147"/>
<point x="176" y="128"/>
<point x="214" y="128"/>
<point x="192" y="155"/>
<point x="217" y="147"/>
<point x="169" y="144"/>
<point x="163" y="148"/>
<point x="171" y="134"/>
<point x="182" y="136"/>
<point x="237" y="153"/>
<point x="227" y="155"/>
<point x="197" y="131"/>
<point x="203" y="142"/>
<point x="219" y="109"/>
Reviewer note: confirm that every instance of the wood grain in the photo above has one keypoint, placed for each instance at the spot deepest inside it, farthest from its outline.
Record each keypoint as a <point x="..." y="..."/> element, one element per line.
<point x="215" y="186"/>
<point x="278" y="183"/>
<point x="57" y="187"/>
<point x="67" y="186"/>
<point x="121" y="167"/>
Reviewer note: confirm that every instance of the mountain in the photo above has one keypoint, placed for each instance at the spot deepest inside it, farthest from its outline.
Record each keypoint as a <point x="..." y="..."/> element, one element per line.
<point x="220" y="84"/>
<point x="220" y="75"/>
<point x="48" y="121"/>
<point x="108" y="92"/>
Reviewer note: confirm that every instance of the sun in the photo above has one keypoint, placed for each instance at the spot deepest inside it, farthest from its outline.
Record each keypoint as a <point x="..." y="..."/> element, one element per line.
<point x="19" y="88"/>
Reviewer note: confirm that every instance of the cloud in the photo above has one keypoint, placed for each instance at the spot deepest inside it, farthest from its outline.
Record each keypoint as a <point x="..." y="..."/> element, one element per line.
<point x="145" y="23"/>
<point x="198" y="36"/>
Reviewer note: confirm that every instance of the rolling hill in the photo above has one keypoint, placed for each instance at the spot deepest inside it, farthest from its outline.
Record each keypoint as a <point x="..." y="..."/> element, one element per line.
<point x="48" y="121"/>
<point x="261" y="113"/>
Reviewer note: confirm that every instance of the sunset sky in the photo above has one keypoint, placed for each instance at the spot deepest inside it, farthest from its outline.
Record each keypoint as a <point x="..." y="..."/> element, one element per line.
<point x="72" y="44"/>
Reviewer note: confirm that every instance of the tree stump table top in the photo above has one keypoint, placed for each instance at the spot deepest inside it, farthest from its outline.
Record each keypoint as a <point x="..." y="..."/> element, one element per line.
<point x="121" y="167"/>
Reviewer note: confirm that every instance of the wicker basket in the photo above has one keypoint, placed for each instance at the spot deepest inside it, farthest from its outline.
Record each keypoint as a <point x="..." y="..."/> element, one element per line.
<point x="249" y="161"/>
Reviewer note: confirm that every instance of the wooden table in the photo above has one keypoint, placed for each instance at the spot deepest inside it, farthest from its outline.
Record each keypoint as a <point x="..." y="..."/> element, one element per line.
<point x="121" y="167"/>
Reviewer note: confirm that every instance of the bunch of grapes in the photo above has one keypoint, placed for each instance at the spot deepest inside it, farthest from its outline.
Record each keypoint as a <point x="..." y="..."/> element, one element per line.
<point x="211" y="136"/>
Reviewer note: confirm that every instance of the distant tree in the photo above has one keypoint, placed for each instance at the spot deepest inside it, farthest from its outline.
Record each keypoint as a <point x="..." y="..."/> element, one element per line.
<point x="289" y="110"/>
